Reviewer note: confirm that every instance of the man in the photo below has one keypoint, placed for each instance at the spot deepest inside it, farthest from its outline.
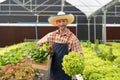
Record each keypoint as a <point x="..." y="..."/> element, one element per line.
<point x="62" y="41"/>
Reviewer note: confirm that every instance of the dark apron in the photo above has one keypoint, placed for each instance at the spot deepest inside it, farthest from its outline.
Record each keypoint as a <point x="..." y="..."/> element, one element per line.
<point x="56" y="72"/>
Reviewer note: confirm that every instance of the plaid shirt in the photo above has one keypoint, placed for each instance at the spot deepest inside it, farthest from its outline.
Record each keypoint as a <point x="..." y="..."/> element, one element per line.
<point x="68" y="37"/>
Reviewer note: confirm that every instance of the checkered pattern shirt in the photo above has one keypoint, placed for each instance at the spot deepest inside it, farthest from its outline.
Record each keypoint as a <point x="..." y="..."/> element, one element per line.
<point x="68" y="37"/>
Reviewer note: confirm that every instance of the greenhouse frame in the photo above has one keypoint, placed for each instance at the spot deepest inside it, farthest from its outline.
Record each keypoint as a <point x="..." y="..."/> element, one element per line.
<point x="92" y="17"/>
<point x="32" y="49"/>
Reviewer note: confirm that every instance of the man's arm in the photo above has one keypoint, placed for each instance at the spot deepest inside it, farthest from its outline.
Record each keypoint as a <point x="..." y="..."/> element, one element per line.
<point x="76" y="46"/>
<point x="42" y="40"/>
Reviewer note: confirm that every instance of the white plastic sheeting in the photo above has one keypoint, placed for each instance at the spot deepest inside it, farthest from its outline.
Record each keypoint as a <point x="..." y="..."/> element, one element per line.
<point x="88" y="7"/>
<point x="2" y="1"/>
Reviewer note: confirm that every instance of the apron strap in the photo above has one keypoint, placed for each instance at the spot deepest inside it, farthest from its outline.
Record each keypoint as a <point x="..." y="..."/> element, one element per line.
<point x="54" y="38"/>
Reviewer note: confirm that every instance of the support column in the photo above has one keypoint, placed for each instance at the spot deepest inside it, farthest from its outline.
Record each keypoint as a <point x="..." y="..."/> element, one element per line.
<point x="36" y="27"/>
<point x="94" y="28"/>
<point x="62" y="5"/>
<point x="88" y="29"/>
<point x="104" y="27"/>
<point x="77" y="25"/>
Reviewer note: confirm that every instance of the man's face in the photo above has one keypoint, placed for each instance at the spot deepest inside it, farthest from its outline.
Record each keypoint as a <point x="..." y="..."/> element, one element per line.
<point x="62" y="23"/>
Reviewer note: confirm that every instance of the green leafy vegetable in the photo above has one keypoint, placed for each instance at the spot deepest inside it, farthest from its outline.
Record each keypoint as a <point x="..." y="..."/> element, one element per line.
<point x="73" y="64"/>
<point x="40" y="54"/>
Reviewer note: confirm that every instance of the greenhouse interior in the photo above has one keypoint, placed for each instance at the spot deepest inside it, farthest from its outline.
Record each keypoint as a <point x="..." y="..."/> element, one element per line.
<point x="96" y="28"/>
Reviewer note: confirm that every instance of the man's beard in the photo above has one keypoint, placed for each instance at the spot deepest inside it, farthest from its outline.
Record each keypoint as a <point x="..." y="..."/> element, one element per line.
<point x="62" y="28"/>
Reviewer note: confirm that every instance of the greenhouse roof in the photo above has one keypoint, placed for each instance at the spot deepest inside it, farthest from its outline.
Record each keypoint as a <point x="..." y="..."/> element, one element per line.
<point x="2" y="1"/>
<point x="88" y="7"/>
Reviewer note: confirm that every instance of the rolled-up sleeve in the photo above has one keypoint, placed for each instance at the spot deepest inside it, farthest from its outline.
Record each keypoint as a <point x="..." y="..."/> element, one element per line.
<point x="76" y="46"/>
<point x="43" y="40"/>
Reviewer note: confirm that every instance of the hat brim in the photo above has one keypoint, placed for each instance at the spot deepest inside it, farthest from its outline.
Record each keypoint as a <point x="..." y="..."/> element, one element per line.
<point x="52" y="20"/>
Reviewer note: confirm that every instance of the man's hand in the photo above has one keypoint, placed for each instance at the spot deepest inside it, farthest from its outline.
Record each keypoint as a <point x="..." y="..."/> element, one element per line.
<point x="82" y="55"/>
<point x="50" y="51"/>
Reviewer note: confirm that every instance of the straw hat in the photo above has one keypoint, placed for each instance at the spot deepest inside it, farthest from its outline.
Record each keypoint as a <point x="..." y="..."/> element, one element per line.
<point x="61" y="15"/>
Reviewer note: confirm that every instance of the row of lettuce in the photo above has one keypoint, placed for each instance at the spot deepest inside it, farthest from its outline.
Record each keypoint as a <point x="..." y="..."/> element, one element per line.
<point x="102" y="62"/>
<point x="13" y="54"/>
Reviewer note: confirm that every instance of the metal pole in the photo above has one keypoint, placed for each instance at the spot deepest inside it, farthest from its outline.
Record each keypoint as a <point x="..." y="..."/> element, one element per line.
<point x="104" y="27"/>
<point x="94" y="28"/>
<point x="62" y="4"/>
<point x="88" y="29"/>
<point x="9" y="7"/>
<point x="77" y="26"/>
<point x="36" y="28"/>
<point x="31" y="5"/>
<point x="23" y="2"/>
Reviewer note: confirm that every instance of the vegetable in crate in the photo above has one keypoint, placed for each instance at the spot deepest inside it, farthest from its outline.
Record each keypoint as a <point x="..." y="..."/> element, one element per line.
<point x="73" y="64"/>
